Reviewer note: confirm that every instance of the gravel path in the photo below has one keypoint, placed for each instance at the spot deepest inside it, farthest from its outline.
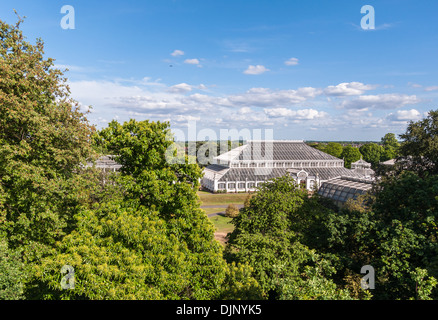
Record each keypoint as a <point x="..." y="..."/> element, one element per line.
<point x="240" y="206"/>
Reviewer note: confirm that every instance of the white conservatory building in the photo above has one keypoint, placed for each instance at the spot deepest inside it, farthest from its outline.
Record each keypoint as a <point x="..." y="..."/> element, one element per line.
<point x="246" y="167"/>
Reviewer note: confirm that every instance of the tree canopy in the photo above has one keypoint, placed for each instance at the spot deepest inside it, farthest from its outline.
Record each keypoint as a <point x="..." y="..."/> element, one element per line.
<point x="140" y="233"/>
<point x="267" y="236"/>
<point x="45" y="141"/>
<point x="135" y="234"/>
<point x="350" y="154"/>
<point x="333" y="148"/>
<point x="372" y="153"/>
<point x="390" y="147"/>
<point x="150" y="240"/>
<point x="419" y="149"/>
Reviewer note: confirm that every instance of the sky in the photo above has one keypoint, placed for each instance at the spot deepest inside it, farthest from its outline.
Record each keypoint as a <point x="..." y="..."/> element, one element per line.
<point x="290" y="70"/>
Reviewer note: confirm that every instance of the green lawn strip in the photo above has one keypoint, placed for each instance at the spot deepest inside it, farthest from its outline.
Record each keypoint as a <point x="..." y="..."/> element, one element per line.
<point x="214" y="210"/>
<point x="222" y="224"/>
<point x="209" y="199"/>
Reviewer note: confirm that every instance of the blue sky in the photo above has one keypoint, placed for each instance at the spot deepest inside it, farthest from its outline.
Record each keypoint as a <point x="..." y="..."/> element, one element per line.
<point x="302" y="69"/>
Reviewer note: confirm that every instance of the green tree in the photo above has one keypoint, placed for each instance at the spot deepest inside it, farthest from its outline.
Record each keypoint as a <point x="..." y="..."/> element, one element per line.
<point x="333" y="148"/>
<point x="390" y="147"/>
<point x="371" y="153"/>
<point x="395" y="232"/>
<point x="232" y="211"/>
<point x="264" y="237"/>
<point x="350" y="154"/>
<point x="406" y="232"/>
<point x="12" y="273"/>
<point x="248" y="200"/>
<point x="137" y="234"/>
<point x="152" y="241"/>
<point x="44" y="143"/>
<point x="125" y="253"/>
<point x="390" y="140"/>
<point x="419" y="148"/>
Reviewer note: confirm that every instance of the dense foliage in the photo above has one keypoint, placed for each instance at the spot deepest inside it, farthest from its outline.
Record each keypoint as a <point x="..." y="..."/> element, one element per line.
<point x="149" y="239"/>
<point x="350" y="154"/>
<point x="44" y="142"/>
<point x="136" y="234"/>
<point x="419" y="150"/>
<point x="372" y="153"/>
<point x="140" y="234"/>
<point x="12" y="273"/>
<point x="267" y="235"/>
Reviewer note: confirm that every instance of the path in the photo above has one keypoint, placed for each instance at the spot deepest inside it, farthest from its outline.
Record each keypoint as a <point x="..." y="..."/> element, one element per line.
<point x="240" y="206"/>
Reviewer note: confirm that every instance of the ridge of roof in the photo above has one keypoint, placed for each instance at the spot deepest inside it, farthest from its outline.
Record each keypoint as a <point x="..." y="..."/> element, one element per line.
<point x="283" y="141"/>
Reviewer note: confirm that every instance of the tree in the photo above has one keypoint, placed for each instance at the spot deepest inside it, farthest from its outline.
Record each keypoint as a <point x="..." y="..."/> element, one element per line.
<point x="152" y="241"/>
<point x="350" y="154"/>
<point x="267" y="237"/>
<point x="392" y="229"/>
<point x="390" y="140"/>
<point x="333" y="148"/>
<point x="121" y="253"/>
<point x="371" y="153"/>
<point x="232" y="211"/>
<point x="390" y="147"/>
<point x="136" y="234"/>
<point x="419" y="148"/>
<point x="405" y="208"/>
<point x="12" y="273"/>
<point x="44" y="144"/>
<point x="248" y="200"/>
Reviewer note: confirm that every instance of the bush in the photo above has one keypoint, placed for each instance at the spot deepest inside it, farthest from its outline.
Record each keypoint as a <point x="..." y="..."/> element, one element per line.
<point x="248" y="200"/>
<point x="11" y="273"/>
<point x="232" y="211"/>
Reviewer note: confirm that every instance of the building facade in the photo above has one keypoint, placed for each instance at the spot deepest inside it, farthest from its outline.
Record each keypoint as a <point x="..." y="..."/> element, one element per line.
<point x="243" y="169"/>
<point x="341" y="189"/>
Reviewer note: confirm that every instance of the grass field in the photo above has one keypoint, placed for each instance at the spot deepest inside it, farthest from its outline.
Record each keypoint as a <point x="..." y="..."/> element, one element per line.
<point x="223" y="227"/>
<point x="209" y="199"/>
<point x="222" y="224"/>
<point x="214" y="210"/>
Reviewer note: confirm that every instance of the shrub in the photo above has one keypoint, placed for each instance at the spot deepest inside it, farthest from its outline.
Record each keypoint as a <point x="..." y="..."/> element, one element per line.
<point x="232" y="211"/>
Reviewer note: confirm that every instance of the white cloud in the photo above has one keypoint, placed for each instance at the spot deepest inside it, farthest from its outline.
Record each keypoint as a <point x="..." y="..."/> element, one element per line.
<point x="181" y="88"/>
<point x="385" y="26"/>
<point x="100" y="93"/>
<point x="381" y="101"/>
<point x="305" y="114"/>
<point x="177" y="53"/>
<point x="255" y="108"/>
<point x="264" y="97"/>
<point x="185" y="118"/>
<point x="245" y="110"/>
<point x="237" y="45"/>
<point x="414" y="85"/>
<point x="255" y="70"/>
<point x="292" y="62"/>
<point x="70" y="67"/>
<point x="83" y="108"/>
<point x="432" y="88"/>
<point x="348" y="89"/>
<point x="405" y="115"/>
<point x="191" y="61"/>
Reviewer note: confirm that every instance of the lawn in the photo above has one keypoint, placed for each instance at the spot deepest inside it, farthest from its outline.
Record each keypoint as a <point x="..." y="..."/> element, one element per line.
<point x="209" y="199"/>
<point x="222" y="224"/>
<point x="221" y="200"/>
<point x="214" y="210"/>
<point x="223" y="227"/>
